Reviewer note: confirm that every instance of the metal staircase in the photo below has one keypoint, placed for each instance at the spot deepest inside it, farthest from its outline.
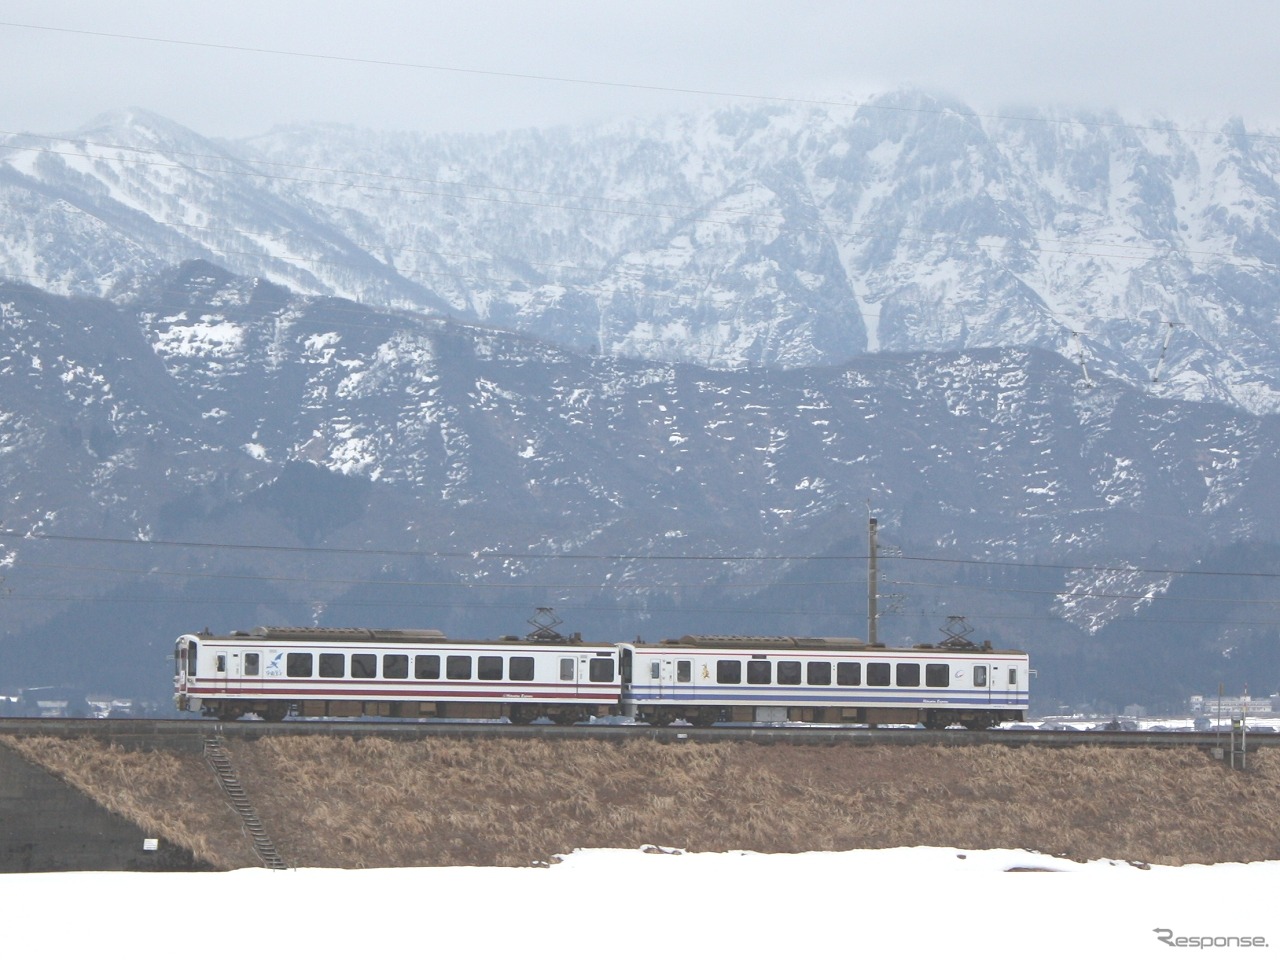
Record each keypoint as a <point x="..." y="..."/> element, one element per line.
<point x="217" y="758"/>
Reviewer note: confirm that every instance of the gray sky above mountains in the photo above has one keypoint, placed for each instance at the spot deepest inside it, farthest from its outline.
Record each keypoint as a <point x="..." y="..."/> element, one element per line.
<point x="236" y="68"/>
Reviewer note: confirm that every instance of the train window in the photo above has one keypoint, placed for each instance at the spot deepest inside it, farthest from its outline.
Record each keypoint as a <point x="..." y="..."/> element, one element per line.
<point x="878" y="674"/>
<point x="191" y="657"/>
<point x="364" y="666"/>
<point x="601" y="670"/>
<point x="458" y="668"/>
<point x="298" y="665"/>
<point x="1013" y="676"/>
<point x="520" y="668"/>
<point x="331" y="665"/>
<point x="426" y="666"/>
<point x="728" y="671"/>
<point x="848" y="674"/>
<point x="937" y="675"/>
<point x="395" y="666"/>
<point x="566" y="668"/>
<point x="979" y="676"/>
<point x="789" y="672"/>
<point x="908" y="675"/>
<point x="221" y="663"/>
<point x="818" y="673"/>
<point x="489" y="668"/>
<point x="252" y="664"/>
<point x="655" y="669"/>
<point x="684" y="671"/>
<point x="759" y="671"/>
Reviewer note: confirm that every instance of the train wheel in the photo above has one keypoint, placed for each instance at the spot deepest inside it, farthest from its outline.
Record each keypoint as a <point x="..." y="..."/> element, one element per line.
<point x="523" y="715"/>
<point x="275" y="712"/>
<point x="703" y="718"/>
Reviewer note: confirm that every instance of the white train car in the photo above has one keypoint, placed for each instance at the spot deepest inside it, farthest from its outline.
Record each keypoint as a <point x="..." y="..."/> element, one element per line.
<point x="821" y="680"/>
<point x="277" y="671"/>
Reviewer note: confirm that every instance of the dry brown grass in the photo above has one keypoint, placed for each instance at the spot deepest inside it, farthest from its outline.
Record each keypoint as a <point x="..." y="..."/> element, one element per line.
<point x="341" y="802"/>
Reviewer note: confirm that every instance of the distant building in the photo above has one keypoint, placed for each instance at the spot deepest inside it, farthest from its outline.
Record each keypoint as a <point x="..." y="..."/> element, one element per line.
<point x="1202" y="706"/>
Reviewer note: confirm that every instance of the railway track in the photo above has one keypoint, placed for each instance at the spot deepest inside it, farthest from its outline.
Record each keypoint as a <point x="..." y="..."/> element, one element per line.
<point x="190" y="734"/>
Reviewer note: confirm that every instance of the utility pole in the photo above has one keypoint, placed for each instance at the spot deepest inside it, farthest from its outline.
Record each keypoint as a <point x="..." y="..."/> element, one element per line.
<point x="872" y="581"/>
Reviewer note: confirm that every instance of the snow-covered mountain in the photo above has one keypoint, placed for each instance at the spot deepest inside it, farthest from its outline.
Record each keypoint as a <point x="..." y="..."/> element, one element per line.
<point x="784" y="236"/>
<point x="413" y="470"/>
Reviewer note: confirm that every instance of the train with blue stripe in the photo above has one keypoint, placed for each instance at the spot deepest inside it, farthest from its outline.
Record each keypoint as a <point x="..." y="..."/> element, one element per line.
<point x="275" y="672"/>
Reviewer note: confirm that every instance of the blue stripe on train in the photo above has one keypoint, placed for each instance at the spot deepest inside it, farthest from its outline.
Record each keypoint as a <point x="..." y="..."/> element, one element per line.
<point x="653" y="694"/>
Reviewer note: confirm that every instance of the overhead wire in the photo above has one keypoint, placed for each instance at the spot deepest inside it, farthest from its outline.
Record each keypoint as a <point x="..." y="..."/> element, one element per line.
<point x="649" y="87"/>
<point x="1087" y="247"/>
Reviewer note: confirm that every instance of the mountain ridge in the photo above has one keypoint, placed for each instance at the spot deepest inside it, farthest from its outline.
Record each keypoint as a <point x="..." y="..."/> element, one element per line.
<point x="214" y="446"/>
<point x="785" y="236"/>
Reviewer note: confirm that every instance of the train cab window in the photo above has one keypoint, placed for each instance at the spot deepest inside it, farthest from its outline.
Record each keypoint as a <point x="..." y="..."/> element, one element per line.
<point x="566" y="668"/>
<point x="457" y="668"/>
<point x="759" y="671"/>
<point x="849" y="674"/>
<point x="728" y="671"/>
<point x="908" y="675"/>
<point x="818" y="673"/>
<point x="489" y="668"/>
<point x="364" y="666"/>
<point x="684" y="671"/>
<point x="520" y="668"/>
<point x="601" y="670"/>
<point x="395" y="666"/>
<point x="979" y="676"/>
<point x="878" y="674"/>
<point x="789" y="672"/>
<point x="937" y="675"/>
<point x="220" y="663"/>
<point x="332" y="665"/>
<point x="192" y="659"/>
<point x="426" y="666"/>
<point x="252" y="664"/>
<point x="298" y="665"/>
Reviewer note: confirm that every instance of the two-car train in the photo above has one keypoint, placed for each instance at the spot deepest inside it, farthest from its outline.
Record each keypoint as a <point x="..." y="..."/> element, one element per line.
<point x="275" y="672"/>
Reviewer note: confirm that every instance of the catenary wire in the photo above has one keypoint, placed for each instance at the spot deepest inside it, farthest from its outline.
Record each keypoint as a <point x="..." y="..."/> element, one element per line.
<point x="580" y="81"/>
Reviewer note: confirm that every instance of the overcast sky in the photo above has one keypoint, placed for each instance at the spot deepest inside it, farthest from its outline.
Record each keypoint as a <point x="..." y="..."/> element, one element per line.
<point x="239" y="67"/>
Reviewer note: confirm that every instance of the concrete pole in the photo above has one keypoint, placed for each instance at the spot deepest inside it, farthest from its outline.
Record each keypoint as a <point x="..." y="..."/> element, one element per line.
<point x="872" y="581"/>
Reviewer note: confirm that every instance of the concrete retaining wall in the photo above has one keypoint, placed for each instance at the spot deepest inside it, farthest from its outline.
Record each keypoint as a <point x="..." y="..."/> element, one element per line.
<point x="48" y="826"/>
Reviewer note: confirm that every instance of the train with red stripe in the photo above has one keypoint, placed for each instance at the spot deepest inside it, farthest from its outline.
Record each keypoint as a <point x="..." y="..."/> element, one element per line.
<point x="276" y="672"/>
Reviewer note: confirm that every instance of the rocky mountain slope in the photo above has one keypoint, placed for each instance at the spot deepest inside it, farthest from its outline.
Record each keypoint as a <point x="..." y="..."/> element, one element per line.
<point x="784" y="236"/>
<point x="209" y="448"/>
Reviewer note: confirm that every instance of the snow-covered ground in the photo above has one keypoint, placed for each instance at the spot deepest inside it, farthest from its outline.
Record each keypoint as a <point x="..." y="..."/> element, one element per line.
<point x="905" y="903"/>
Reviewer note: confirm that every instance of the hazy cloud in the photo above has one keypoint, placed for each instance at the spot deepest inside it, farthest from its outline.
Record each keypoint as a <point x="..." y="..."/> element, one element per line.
<point x="488" y="65"/>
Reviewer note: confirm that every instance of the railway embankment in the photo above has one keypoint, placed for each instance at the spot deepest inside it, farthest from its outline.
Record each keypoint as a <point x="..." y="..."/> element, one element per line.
<point x="374" y="801"/>
<point x="49" y="825"/>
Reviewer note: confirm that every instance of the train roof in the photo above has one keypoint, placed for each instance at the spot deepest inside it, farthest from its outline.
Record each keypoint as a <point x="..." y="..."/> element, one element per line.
<point x="725" y="642"/>
<point x="381" y="636"/>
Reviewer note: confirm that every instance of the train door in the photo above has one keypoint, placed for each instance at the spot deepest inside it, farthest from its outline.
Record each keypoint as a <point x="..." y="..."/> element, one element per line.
<point x="221" y="667"/>
<point x="245" y="671"/>
<point x="982" y="680"/>
<point x="569" y="670"/>
<point x="1004" y="684"/>
<point x="683" y="678"/>
<point x="662" y="672"/>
